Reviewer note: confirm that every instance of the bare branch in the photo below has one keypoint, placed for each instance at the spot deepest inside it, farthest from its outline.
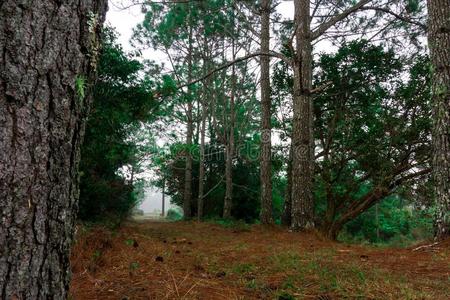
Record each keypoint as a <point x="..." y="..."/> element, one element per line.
<point x="147" y="2"/>
<point x="214" y="187"/>
<point x="398" y="16"/>
<point x="321" y="87"/>
<point x="410" y="176"/>
<point x="244" y="19"/>
<point x="316" y="7"/>
<point x="325" y="26"/>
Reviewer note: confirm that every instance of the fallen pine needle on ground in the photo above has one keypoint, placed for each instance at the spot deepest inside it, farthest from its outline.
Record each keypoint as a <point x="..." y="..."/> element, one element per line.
<point x="191" y="260"/>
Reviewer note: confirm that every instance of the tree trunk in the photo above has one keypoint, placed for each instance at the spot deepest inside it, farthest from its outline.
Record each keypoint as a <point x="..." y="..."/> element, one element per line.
<point x="287" y="207"/>
<point x="201" y="171"/>
<point x="439" y="44"/>
<point x="333" y="231"/>
<point x="163" y="200"/>
<point x="187" y="194"/>
<point x="266" y="136"/>
<point x="48" y="51"/>
<point x="330" y="213"/>
<point x="229" y="149"/>
<point x="356" y="209"/>
<point x="302" y="138"/>
<point x="228" y="201"/>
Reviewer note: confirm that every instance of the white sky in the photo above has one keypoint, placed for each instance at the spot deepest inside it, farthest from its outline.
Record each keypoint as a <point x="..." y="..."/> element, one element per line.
<point x="153" y="201"/>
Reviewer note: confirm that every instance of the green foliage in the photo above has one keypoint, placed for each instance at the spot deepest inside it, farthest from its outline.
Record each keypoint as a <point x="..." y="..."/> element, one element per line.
<point x="80" y="86"/>
<point x="412" y="6"/>
<point x="174" y="215"/>
<point x="393" y="222"/>
<point x="164" y="25"/>
<point x="236" y="225"/>
<point x="169" y="86"/>
<point x="243" y="268"/>
<point x="199" y="25"/>
<point x="245" y="176"/>
<point x="372" y="122"/>
<point x="134" y="266"/>
<point x="129" y="242"/>
<point x="96" y="255"/>
<point x="121" y="100"/>
<point x="285" y="296"/>
<point x="372" y="127"/>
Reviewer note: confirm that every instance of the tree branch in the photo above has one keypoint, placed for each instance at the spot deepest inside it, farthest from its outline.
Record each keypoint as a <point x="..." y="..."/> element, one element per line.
<point x="400" y="17"/>
<point x="244" y="18"/>
<point x="401" y="180"/>
<point x="325" y="26"/>
<point x="237" y="60"/>
<point x="377" y="194"/>
<point x="214" y="187"/>
<point x="322" y="87"/>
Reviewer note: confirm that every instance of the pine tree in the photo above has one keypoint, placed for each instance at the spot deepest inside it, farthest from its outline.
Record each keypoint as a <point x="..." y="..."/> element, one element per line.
<point x="48" y="63"/>
<point x="439" y="45"/>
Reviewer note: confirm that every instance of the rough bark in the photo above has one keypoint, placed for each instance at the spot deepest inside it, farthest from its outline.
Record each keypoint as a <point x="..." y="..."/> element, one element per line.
<point x="302" y="137"/>
<point x="187" y="194"/>
<point x="229" y="148"/>
<point x="439" y="45"/>
<point x="287" y="206"/>
<point x="201" y="171"/>
<point x="228" y="201"/>
<point x="46" y="48"/>
<point x="266" y="137"/>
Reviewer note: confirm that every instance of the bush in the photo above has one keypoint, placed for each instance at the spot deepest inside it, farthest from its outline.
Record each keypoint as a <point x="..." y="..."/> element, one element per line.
<point x="396" y="224"/>
<point x="174" y="214"/>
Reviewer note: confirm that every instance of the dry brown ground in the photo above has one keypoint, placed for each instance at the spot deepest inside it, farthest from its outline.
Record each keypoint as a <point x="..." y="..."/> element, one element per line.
<point x="189" y="260"/>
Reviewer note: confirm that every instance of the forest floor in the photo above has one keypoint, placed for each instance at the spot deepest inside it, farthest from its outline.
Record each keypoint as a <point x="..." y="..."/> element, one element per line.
<point x="190" y="260"/>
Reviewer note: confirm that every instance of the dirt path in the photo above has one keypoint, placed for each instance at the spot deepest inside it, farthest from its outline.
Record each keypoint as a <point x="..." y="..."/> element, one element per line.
<point x="189" y="260"/>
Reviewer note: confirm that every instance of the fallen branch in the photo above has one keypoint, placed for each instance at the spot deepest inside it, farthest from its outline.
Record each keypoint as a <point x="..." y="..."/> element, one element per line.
<point x="425" y="246"/>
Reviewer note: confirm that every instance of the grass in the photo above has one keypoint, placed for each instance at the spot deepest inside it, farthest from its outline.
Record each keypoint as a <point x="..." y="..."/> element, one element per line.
<point x="243" y="268"/>
<point x="318" y="271"/>
<point x="236" y="225"/>
<point x="214" y="260"/>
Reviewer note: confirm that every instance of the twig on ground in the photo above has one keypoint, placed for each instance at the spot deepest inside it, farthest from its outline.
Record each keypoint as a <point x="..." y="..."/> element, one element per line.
<point x="425" y="246"/>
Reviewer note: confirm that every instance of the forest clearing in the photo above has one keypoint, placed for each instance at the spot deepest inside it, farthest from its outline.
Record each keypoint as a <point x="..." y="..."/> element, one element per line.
<point x="191" y="260"/>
